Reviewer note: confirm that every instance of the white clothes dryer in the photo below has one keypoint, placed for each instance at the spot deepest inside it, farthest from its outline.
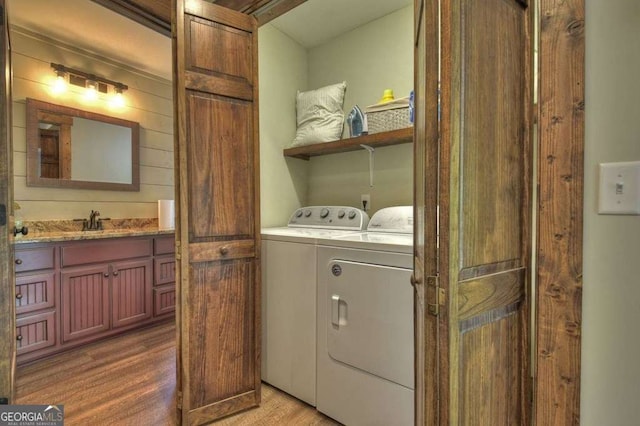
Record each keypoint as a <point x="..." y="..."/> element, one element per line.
<point x="289" y="293"/>
<point x="365" y="323"/>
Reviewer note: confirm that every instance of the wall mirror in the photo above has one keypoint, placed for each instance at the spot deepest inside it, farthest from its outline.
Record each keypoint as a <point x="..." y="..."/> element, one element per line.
<point x="71" y="148"/>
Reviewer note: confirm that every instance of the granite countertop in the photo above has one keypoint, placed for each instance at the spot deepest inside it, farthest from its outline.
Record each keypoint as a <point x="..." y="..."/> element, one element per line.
<point x="68" y="230"/>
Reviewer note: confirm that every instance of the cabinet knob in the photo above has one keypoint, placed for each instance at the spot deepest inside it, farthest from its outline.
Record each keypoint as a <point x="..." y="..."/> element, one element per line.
<point x="19" y="296"/>
<point x="19" y="337"/>
<point x="224" y="250"/>
<point x="115" y="273"/>
<point x="18" y="261"/>
<point x="106" y="274"/>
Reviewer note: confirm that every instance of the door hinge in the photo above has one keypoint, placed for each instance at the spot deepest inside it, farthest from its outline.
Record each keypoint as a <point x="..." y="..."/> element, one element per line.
<point x="179" y="400"/>
<point x="178" y="253"/>
<point x="435" y="294"/>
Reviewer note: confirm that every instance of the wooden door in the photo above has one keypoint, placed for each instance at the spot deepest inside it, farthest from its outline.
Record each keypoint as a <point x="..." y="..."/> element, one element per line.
<point x="7" y="274"/>
<point x="50" y="154"/>
<point x="474" y="166"/>
<point x="218" y="230"/>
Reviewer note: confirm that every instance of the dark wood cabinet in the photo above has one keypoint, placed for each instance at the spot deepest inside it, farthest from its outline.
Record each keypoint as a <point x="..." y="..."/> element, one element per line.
<point x="131" y="296"/>
<point x="35" y="292"/>
<point x="164" y="276"/>
<point x="36" y="332"/>
<point x="85" y="302"/>
<point x="71" y="293"/>
<point x="36" y="301"/>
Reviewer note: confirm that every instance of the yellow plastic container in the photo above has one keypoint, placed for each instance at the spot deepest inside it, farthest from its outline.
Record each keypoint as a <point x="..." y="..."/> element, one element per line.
<point x="387" y="96"/>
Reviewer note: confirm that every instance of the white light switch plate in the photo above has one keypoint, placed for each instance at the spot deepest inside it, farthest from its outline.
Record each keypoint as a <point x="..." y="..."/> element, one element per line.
<point x="619" y="188"/>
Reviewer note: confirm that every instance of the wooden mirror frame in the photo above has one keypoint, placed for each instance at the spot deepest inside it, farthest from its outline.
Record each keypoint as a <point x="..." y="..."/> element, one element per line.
<point x="33" y="142"/>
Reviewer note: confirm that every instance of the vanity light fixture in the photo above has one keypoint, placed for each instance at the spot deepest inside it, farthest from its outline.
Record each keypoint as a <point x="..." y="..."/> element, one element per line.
<point x="91" y="92"/>
<point x="60" y="83"/>
<point x="117" y="100"/>
<point x="94" y="85"/>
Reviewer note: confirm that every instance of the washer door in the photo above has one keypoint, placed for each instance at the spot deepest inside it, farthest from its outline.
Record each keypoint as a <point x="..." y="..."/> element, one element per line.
<point x="370" y="319"/>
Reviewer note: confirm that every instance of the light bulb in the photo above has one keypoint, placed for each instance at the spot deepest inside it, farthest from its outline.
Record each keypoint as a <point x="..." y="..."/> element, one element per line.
<point x="91" y="92"/>
<point x="59" y="84"/>
<point x="117" y="100"/>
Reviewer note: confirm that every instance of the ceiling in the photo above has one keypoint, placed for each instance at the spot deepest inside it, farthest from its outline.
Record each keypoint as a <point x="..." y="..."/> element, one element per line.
<point x="91" y="27"/>
<point x="318" y="21"/>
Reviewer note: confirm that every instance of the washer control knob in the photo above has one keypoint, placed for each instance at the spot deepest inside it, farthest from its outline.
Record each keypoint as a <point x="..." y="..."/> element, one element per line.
<point x="324" y="213"/>
<point x="352" y="214"/>
<point x="299" y="213"/>
<point x="340" y="214"/>
<point x="307" y="213"/>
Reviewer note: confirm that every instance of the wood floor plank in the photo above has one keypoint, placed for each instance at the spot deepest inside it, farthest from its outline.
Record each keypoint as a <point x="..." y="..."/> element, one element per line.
<point x="130" y="380"/>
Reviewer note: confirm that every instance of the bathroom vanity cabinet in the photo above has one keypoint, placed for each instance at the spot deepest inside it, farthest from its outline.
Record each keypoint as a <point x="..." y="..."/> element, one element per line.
<point x="73" y="292"/>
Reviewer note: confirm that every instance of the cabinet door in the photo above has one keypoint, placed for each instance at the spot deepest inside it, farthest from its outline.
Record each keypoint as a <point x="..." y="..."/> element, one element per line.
<point x="131" y="298"/>
<point x="85" y="302"/>
<point x="218" y="231"/>
<point x="164" y="299"/>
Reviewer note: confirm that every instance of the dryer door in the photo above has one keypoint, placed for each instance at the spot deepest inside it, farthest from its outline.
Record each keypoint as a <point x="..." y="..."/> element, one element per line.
<point x="370" y="319"/>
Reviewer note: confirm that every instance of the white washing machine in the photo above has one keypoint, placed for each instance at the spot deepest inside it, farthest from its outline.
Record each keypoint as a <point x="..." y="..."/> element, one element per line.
<point x="365" y="323"/>
<point x="289" y="293"/>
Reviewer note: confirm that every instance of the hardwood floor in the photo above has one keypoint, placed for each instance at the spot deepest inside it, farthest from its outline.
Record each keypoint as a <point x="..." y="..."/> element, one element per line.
<point x="130" y="380"/>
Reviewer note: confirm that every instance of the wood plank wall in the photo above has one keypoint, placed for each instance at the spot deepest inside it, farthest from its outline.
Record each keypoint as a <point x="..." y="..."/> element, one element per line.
<point x="560" y="212"/>
<point x="149" y="102"/>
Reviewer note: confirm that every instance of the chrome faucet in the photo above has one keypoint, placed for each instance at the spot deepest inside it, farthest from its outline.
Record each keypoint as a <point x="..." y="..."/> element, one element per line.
<point x="93" y="223"/>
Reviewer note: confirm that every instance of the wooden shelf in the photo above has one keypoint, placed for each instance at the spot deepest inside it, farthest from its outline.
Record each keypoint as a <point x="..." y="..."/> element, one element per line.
<point x="392" y="137"/>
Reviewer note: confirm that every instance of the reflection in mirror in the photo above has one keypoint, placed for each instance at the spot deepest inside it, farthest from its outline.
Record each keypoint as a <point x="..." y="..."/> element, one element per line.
<point x="71" y="148"/>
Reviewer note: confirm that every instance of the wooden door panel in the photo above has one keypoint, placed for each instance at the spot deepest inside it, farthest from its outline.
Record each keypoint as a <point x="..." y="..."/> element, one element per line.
<point x="218" y="237"/>
<point x="220" y="167"/>
<point x="492" y="135"/>
<point x="489" y="293"/>
<point x="489" y="212"/>
<point x="208" y="42"/>
<point x="495" y="366"/>
<point x="222" y="297"/>
<point x="7" y="274"/>
<point x="475" y="298"/>
<point x="425" y="204"/>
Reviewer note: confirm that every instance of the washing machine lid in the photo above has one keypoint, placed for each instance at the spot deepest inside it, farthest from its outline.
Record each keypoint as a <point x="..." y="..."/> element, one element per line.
<point x="380" y="241"/>
<point x="303" y="235"/>
<point x="398" y="219"/>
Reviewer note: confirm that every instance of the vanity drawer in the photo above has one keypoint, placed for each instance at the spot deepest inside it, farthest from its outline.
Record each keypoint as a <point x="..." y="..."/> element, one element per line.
<point x="104" y="251"/>
<point x="35" y="292"/>
<point x="32" y="259"/>
<point x="164" y="245"/>
<point x="35" y="332"/>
